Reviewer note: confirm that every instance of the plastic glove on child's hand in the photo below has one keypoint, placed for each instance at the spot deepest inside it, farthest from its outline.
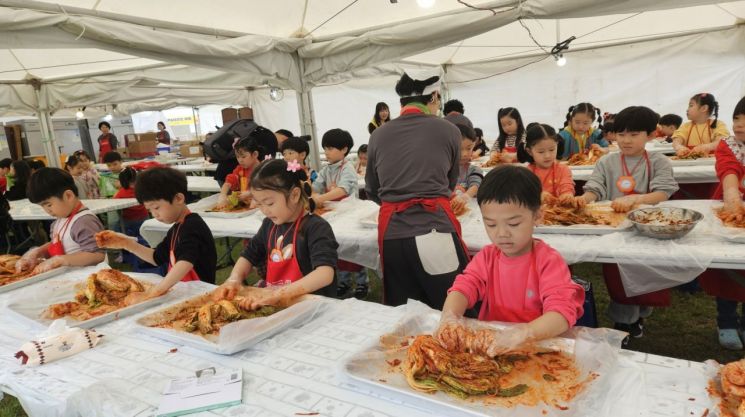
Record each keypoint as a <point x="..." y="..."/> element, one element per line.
<point x="457" y="204"/>
<point x="700" y="149"/>
<point x="682" y="151"/>
<point x="227" y="291"/>
<point x="450" y="332"/>
<point x="112" y="240"/>
<point x="47" y="265"/>
<point x="29" y="260"/>
<point x="624" y="204"/>
<point x="733" y="212"/>
<point x="222" y="202"/>
<point x="510" y="338"/>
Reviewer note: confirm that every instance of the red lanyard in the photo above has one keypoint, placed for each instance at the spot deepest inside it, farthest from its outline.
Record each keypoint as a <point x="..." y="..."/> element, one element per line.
<point x="631" y="173"/>
<point x="67" y="222"/>
<point x="174" y="238"/>
<point x="700" y="135"/>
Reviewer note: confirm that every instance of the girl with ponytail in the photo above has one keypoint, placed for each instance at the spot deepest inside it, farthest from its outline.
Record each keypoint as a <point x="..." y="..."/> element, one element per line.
<point x="578" y="134"/>
<point x="700" y="133"/>
<point x="298" y="247"/>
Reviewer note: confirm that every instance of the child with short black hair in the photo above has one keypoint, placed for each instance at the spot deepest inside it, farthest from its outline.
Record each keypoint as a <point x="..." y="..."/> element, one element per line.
<point x="249" y="153"/>
<point x="297" y="149"/>
<point x="75" y="167"/>
<point x="282" y="194"/>
<point x="74" y="230"/>
<point x="517" y="278"/>
<point x="338" y="179"/>
<point x="188" y="248"/>
<point x="700" y="133"/>
<point x="541" y="145"/>
<point x="4" y="170"/>
<point x="629" y="178"/>
<point x="579" y="135"/>
<point x="667" y="125"/>
<point x="36" y="165"/>
<point x="109" y="182"/>
<point x="470" y="176"/>
<point x="133" y="216"/>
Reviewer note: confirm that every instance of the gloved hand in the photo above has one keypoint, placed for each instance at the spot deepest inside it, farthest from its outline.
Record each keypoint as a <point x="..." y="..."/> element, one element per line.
<point x="29" y="260"/>
<point x="451" y="330"/>
<point x="113" y="240"/>
<point x="510" y="338"/>
<point x="625" y="203"/>
<point x="48" y="265"/>
<point x="227" y="290"/>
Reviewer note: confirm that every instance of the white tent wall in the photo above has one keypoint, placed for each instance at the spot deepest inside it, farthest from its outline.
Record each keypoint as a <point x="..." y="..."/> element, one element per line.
<point x="660" y="74"/>
<point x="275" y="115"/>
<point x="351" y="106"/>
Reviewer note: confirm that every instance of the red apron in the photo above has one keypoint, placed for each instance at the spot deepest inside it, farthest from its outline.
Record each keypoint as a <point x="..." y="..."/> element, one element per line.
<point x="280" y="271"/>
<point x="56" y="248"/>
<point x="430" y="204"/>
<point x="191" y="275"/>
<point x="510" y="149"/>
<point x="723" y="283"/>
<point x="526" y="315"/>
<point x="104" y="147"/>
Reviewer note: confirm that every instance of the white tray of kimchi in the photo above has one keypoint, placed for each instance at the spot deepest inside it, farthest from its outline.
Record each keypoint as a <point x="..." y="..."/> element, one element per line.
<point x="595" y="219"/>
<point x="223" y="327"/>
<point x="84" y="302"/>
<point x="547" y="379"/>
<point x="10" y="280"/>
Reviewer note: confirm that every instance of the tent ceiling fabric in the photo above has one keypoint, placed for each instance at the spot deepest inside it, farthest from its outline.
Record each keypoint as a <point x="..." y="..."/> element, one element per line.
<point x="86" y="58"/>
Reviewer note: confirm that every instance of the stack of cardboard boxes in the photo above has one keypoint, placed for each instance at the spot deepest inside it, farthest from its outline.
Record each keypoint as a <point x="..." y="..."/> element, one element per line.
<point x="141" y="145"/>
<point x="190" y="149"/>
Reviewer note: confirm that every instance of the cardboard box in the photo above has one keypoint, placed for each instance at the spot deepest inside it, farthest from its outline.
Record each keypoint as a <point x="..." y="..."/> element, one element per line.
<point x="191" y="150"/>
<point x="147" y="137"/>
<point x="124" y="152"/>
<point x="246" y="113"/>
<point x="228" y="115"/>
<point x="142" y="149"/>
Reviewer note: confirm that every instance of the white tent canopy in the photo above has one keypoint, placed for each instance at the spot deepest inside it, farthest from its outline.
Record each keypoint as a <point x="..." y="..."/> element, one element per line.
<point x="142" y="55"/>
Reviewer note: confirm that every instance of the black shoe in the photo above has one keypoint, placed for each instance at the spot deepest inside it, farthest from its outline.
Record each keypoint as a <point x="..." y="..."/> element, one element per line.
<point x="342" y="291"/>
<point x="360" y="292"/>
<point x="635" y="330"/>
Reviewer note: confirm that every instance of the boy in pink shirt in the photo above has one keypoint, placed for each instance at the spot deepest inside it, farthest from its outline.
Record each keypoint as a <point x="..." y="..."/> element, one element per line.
<point x="518" y="279"/>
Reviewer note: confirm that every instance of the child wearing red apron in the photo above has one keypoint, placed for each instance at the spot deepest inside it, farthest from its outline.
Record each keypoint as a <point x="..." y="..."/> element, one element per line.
<point x="727" y="285"/>
<point x="298" y="247"/>
<point x="188" y="248"/>
<point x="249" y="153"/>
<point x="73" y="233"/>
<point x="412" y="170"/>
<point x="629" y="178"/>
<point x="517" y="279"/>
<point x="511" y="140"/>
<point x="336" y="181"/>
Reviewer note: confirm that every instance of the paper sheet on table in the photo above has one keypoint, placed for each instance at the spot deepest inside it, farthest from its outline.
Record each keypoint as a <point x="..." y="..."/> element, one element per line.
<point x="671" y="263"/>
<point x="596" y="350"/>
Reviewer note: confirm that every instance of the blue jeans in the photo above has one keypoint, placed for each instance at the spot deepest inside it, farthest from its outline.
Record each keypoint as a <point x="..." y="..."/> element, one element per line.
<point x="345" y="278"/>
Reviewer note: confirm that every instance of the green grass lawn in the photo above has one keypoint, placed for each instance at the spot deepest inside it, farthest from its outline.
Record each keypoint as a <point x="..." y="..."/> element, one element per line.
<point x="687" y="330"/>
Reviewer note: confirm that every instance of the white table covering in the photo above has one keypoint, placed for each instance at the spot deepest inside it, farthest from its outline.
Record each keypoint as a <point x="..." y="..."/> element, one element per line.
<point x="202" y="184"/>
<point x="359" y="244"/>
<point x="24" y="210"/>
<point x="293" y="372"/>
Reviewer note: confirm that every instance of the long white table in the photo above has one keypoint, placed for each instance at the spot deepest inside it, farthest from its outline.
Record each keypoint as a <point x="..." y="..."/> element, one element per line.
<point x="358" y="243"/>
<point x="24" y="210"/>
<point x="202" y="184"/>
<point x="296" y="371"/>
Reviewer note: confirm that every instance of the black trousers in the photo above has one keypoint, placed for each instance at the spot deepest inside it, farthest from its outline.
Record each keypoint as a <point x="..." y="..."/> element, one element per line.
<point x="404" y="276"/>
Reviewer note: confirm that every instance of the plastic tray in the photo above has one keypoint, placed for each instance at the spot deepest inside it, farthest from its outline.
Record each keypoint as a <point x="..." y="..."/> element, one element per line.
<point x="33" y="280"/>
